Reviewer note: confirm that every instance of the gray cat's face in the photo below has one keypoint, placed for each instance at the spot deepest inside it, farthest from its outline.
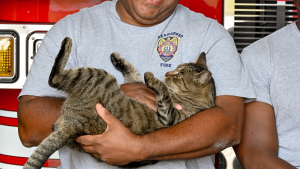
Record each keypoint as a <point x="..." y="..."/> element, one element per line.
<point x="187" y="78"/>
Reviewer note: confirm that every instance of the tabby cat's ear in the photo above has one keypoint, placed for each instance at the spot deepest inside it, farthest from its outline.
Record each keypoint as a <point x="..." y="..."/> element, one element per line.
<point x="203" y="77"/>
<point x="201" y="60"/>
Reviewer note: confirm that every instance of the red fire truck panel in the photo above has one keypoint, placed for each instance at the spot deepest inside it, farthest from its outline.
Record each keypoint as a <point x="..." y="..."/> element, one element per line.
<point x="50" y="11"/>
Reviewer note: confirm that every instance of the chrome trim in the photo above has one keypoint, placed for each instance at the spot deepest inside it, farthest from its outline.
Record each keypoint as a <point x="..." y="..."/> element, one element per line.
<point x="33" y="41"/>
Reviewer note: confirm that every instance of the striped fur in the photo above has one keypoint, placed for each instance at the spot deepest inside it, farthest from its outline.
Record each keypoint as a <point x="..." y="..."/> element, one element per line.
<point x="190" y="85"/>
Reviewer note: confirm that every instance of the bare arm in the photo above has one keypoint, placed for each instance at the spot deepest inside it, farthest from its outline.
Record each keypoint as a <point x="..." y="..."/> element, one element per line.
<point x="259" y="143"/>
<point x="203" y="134"/>
<point x="36" y="116"/>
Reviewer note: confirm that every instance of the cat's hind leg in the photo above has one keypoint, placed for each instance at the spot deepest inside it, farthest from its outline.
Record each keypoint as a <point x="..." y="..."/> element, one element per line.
<point x="60" y="62"/>
<point x="165" y="105"/>
<point x="129" y="72"/>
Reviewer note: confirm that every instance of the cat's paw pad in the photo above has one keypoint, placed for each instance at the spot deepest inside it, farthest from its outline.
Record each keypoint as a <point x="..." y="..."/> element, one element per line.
<point x="117" y="61"/>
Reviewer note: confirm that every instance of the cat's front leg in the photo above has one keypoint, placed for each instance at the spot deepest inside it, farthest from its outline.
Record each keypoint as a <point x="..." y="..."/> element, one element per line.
<point x="131" y="75"/>
<point x="165" y="105"/>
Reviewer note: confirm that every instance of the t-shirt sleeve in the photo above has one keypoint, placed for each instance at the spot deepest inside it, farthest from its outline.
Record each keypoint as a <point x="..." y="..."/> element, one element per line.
<point x="260" y="74"/>
<point x="223" y="60"/>
<point x="37" y="80"/>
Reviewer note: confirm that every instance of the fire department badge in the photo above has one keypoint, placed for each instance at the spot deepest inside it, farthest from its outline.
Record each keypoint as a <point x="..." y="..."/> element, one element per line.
<point x="167" y="47"/>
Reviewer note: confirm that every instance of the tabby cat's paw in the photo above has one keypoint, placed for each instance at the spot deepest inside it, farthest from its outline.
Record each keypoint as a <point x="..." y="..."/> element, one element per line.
<point x="148" y="76"/>
<point x="150" y="80"/>
<point x="67" y="43"/>
<point x="117" y="61"/>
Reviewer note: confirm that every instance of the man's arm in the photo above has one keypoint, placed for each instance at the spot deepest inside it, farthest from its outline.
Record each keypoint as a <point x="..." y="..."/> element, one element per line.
<point x="259" y="143"/>
<point x="36" y="116"/>
<point x="203" y="134"/>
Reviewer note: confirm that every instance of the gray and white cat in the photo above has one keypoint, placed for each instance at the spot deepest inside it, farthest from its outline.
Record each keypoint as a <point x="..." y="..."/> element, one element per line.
<point x="190" y="85"/>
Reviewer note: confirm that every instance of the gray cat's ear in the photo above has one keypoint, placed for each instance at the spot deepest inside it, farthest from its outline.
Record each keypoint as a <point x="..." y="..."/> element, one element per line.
<point x="203" y="77"/>
<point x="201" y="60"/>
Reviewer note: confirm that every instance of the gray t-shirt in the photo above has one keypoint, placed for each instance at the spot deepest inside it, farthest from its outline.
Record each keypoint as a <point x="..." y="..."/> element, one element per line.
<point x="274" y="66"/>
<point x="98" y="31"/>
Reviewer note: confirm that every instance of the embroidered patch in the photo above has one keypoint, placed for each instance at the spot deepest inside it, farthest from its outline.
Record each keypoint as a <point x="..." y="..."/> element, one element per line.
<point x="167" y="47"/>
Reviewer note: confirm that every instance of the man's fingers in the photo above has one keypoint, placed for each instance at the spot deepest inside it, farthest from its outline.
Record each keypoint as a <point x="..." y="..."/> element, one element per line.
<point x="178" y="106"/>
<point x="152" y="105"/>
<point x="151" y="94"/>
<point x="87" y="143"/>
<point x="85" y="140"/>
<point x="89" y="149"/>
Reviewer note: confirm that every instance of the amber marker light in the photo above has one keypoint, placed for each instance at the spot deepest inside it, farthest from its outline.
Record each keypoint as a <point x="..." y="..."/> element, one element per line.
<point x="6" y="57"/>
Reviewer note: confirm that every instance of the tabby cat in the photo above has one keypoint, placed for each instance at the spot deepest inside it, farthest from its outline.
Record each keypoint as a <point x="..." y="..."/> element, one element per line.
<point x="190" y="85"/>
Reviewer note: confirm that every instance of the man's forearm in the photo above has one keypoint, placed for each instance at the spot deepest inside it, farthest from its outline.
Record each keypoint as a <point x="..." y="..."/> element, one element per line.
<point x="36" y="116"/>
<point x="205" y="133"/>
<point x="189" y="155"/>
<point x="275" y="162"/>
<point x="259" y="144"/>
<point x="263" y="159"/>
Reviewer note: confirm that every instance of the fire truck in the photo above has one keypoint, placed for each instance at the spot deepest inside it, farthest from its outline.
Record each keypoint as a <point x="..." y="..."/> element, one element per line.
<point x="24" y="23"/>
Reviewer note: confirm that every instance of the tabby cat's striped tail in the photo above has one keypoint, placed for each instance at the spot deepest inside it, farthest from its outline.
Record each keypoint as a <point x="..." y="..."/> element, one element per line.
<point x="47" y="147"/>
<point x="60" y="60"/>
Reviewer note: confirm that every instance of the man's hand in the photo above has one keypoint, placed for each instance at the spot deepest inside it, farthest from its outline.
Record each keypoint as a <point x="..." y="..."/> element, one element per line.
<point x="116" y="146"/>
<point x="143" y="94"/>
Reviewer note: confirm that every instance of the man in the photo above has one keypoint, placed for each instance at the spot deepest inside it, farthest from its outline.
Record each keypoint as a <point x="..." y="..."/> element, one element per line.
<point x="271" y="131"/>
<point x="156" y="36"/>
